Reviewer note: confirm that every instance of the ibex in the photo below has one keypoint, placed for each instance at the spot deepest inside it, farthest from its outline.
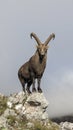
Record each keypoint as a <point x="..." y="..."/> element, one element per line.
<point x="34" y="68"/>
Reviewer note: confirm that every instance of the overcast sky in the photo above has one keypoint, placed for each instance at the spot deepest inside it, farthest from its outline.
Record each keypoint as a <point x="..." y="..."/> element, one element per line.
<point x="18" y="18"/>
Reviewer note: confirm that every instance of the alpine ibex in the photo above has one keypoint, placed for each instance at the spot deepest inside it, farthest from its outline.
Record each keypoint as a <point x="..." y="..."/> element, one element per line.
<point x="34" y="68"/>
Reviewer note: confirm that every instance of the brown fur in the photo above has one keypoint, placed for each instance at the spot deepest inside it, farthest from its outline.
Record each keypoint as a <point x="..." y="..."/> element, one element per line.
<point x="34" y="68"/>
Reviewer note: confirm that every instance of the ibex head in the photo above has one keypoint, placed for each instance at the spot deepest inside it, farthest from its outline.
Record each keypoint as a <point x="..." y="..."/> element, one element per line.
<point x="42" y="47"/>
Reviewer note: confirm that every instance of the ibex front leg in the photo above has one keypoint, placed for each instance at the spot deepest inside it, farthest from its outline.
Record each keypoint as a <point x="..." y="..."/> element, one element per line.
<point x="28" y="86"/>
<point x="33" y="85"/>
<point x="39" y="88"/>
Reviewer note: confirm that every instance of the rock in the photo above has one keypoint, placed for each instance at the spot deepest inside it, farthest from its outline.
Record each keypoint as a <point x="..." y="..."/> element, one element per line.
<point x="66" y="126"/>
<point x="30" y="125"/>
<point x="38" y="99"/>
<point x="25" y="111"/>
<point x="17" y="98"/>
<point x="3" y="121"/>
<point x="19" y="106"/>
<point x="35" y="106"/>
<point x="9" y="104"/>
<point x="9" y="112"/>
<point x="32" y="106"/>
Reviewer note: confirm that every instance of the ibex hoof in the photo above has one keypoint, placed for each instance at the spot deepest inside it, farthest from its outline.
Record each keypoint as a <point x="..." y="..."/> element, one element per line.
<point x="28" y="91"/>
<point x="34" y="90"/>
<point x="39" y="90"/>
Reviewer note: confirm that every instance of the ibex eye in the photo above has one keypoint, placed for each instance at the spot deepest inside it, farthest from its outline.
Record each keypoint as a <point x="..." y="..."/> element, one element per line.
<point x="39" y="49"/>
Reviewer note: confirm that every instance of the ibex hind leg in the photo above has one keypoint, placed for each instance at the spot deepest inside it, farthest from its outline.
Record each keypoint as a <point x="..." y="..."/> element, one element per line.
<point x="28" y="87"/>
<point x="23" y="85"/>
<point x="40" y="90"/>
<point x="22" y="82"/>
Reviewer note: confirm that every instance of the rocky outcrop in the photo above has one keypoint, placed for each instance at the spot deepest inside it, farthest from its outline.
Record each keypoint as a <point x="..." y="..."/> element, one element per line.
<point x="66" y="126"/>
<point x="65" y="122"/>
<point x="32" y="106"/>
<point x="22" y="111"/>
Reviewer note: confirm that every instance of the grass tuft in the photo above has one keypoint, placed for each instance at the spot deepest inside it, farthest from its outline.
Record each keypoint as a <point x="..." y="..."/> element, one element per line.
<point x="3" y="104"/>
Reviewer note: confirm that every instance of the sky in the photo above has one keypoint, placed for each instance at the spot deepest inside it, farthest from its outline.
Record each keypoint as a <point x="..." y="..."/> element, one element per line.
<point x="18" y="18"/>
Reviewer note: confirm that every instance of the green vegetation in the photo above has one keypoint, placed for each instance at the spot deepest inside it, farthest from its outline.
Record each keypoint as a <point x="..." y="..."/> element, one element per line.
<point x="11" y="120"/>
<point x="3" y="104"/>
<point x="42" y="126"/>
<point x="21" y="124"/>
<point x="18" y="123"/>
<point x="4" y="129"/>
<point x="39" y="126"/>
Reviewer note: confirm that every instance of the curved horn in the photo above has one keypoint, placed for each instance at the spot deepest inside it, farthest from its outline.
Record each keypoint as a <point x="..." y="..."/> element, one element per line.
<point x="49" y="38"/>
<point x="35" y="37"/>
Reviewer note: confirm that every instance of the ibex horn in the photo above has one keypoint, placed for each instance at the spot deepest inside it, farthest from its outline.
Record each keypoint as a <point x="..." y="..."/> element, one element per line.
<point x="49" y="38"/>
<point x="36" y="38"/>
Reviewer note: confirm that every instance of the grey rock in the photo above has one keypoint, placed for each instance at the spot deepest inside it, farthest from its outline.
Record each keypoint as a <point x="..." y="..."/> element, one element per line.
<point x="30" y="125"/>
<point x="3" y="121"/>
<point x="35" y="106"/>
<point x="9" y="112"/>
<point x="17" y="98"/>
<point x="32" y="106"/>
<point x="27" y="107"/>
<point x="38" y="99"/>
<point x="66" y="126"/>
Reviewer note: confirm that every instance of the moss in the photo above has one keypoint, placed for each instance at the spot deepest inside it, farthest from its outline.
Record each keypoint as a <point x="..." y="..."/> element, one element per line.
<point x="41" y="126"/>
<point x="17" y="123"/>
<point x="22" y="122"/>
<point x="11" y="120"/>
<point x="4" y="128"/>
<point x="3" y="104"/>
